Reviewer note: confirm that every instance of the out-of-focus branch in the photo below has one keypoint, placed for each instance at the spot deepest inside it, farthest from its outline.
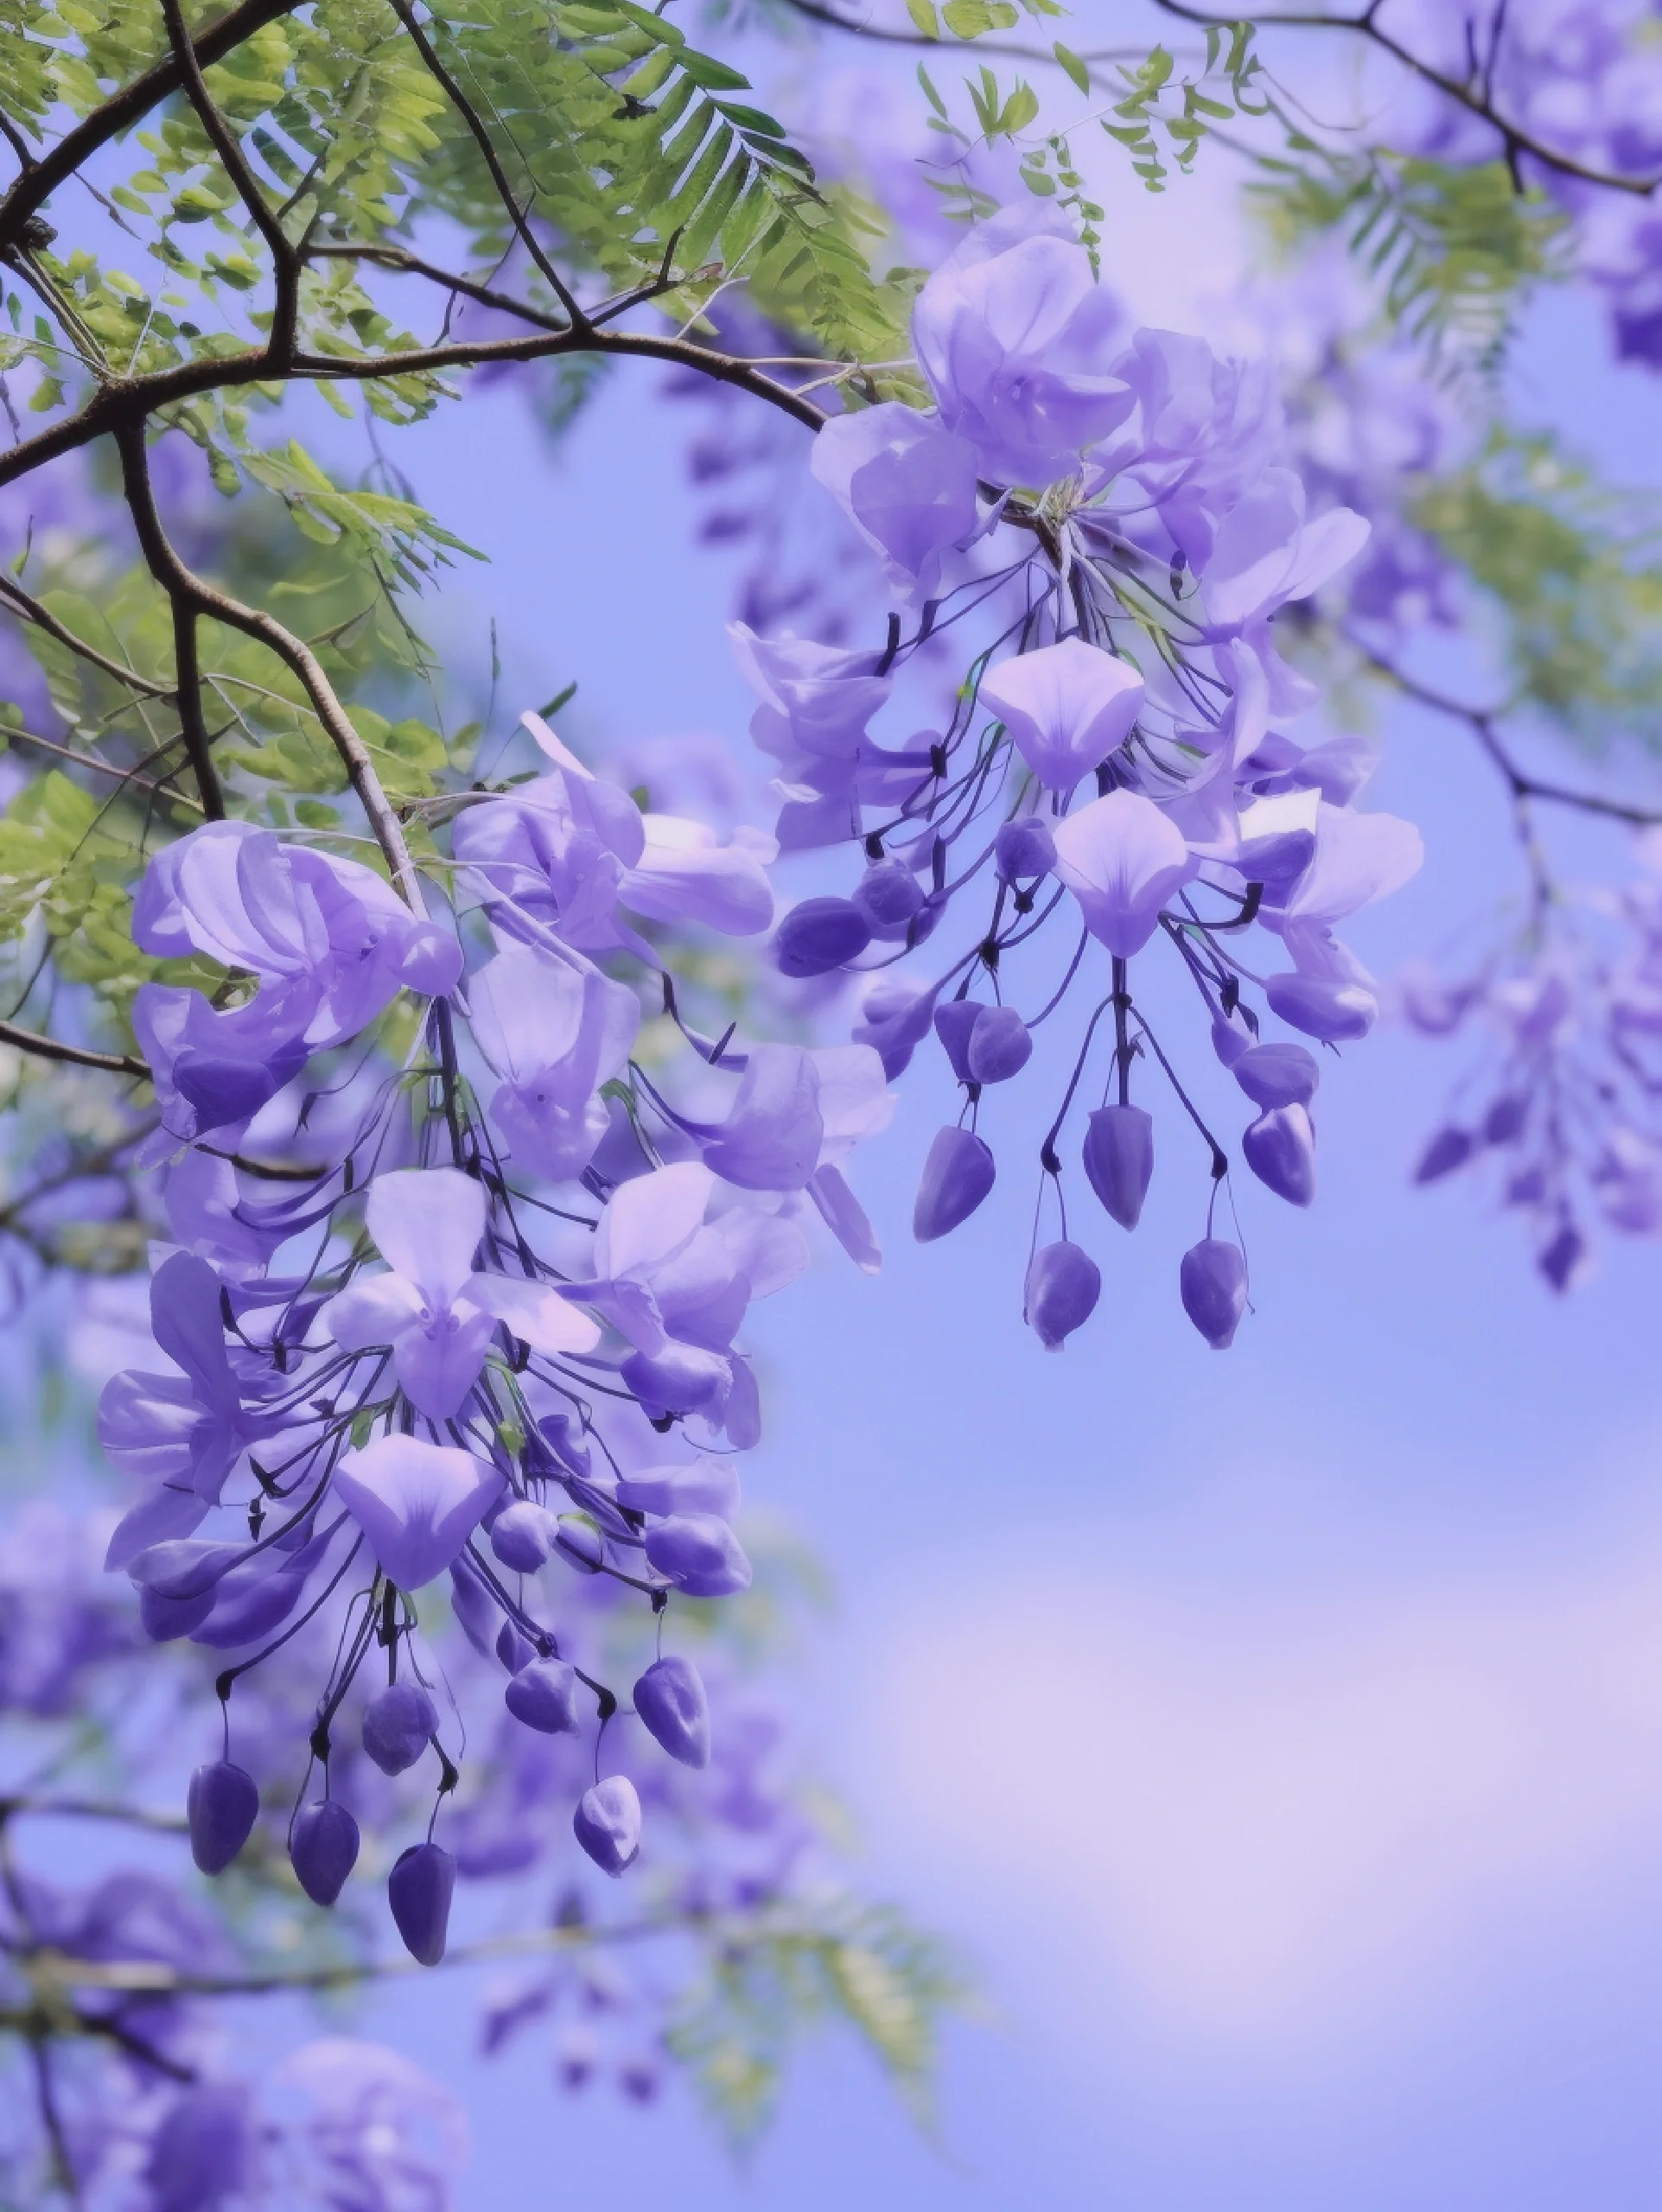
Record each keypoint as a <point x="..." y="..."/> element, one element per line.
<point x="81" y="1056"/>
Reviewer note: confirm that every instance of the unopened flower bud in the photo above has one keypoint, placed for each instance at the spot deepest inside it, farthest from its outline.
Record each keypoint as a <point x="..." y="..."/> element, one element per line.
<point x="399" y="1724"/>
<point x="886" y="898"/>
<point x="819" y="935"/>
<point x="1449" y="1148"/>
<point x="419" y="1890"/>
<point x="1000" y="1045"/>
<point x="1230" y="1039"/>
<point x="957" y="1175"/>
<point x="222" y="1807"/>
<point x="1025" y="848"/>
<point x="1119" y="1158"/>
<point x="579" y="1541"/>
<point x="323" y="1849"/>
<point x="522" y="1535"/>
<point x="699" y="1553"/>
<point x="606" y="1823"/>
<point x="1063" y="1285"/>
<point x="954" y="1026"/>
<point x="1504" y="1122"/>
<point x="1213" y="1282"/>
<point x="1338" y="1013"/>
<point x="1278" y="1075"/>
<point x="671" y="1705"/>
<point x="1280" y="1149"/>
<point x="544" y="1696"/>
<point x="1561" y="1259"/>
<point x="513" y="1649"/>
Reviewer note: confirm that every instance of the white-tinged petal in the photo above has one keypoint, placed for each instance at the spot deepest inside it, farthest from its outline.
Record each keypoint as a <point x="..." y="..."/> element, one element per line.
<point x="427" y="1222"/>
<point x="376" y="1310"/>
<point x="652" y="1216"/>
<point x="535" y="1312"/>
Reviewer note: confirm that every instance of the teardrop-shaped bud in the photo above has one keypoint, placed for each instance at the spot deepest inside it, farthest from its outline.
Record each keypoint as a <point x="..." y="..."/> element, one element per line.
<point x="699" y="1553"/>
<point x="1063" y="1285"/>
<point x="1560" y="1260"/>
<point x="419" y="1890"/>
<point x="606" y="1823"/>
<point x="522" y="1535"/>
<point x="1449" y="1150"/>
<point x="1230" y="1039"/>
<point x="958" y="1174"/>
<point x="1280" y="1149"/>
<point x="1000" y="1045"/>
<point x="954" y="1026"/>
<point x="579" y="1541"/>
<point x="1504" y="1122"/>
<point x="1119" y="1158"/>
<point x="399" y="1724"/>
<point x="886" y="897"/>
<point x="323" y="1848"/>
<point x="222" y="1807"/>
<point x="1278" y="1075"/>
<point x="671" y="1705"/>
<point x="1336" y="1013"/>
<point x="512" y="1649"/>
<point x="544" y="1696"/>
<point x="1024" y="849"/>
<point x="1213" y="1282"/>
<point x="819" y="935"/>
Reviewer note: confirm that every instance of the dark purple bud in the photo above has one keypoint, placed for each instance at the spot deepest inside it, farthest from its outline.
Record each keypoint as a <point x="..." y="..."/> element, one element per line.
<point x="1025" y="848"/>
<point x="886" y="898"/>
<point x="1063" y="1285"/>
<point x="1119" y="1158"/>
<point x="513" y="1649"/>
<point x="954" y="1024"/>
<point x="699" y="1553"/>
<point x="1231" y="1038"/>
<point x="201" y="2153"/>
<point x="544" y="1695"/>
<point x="418" y="1890"/>
<point x="1449" y="1150"/>
<point x="956" y="1176"/>
<point x="163" y="1618"/>
<point x="399" y="1724"/>
<point x="323" y="1848"/>
<point x="221" y="1806"/>
<point x="1527" y="1187"/>
<point x="671" y="1704"/>
<point x="1000" y="1045"/>
<point x="1338" y="1013"/>
<point x="579" y="1541"/>
<point x="1504" y="1122"/>
<point x="641" y="2079"/>
<point x="522" y="1535"/>
<point x="1212" y="1281"/>
<point x="1280" y="1149"/>
<point x="1278" y="1075"/>
<point x="819" y="935"/>
<point x="1558" y="1263"/>
<point x="606" y="1823"/>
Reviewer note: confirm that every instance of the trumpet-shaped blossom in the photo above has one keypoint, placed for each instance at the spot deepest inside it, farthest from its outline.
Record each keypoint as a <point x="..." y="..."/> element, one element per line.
<point x="1067" y="707"/>
<point x="554" y="1030"/>
<point x="432" y="1308"/>
<point x="907" y="485"/>
<point x="816" y="703"/>
<point x="416" y="1504"/>
<point x="1013" y="332"/>
<point x="1122" y="858"/>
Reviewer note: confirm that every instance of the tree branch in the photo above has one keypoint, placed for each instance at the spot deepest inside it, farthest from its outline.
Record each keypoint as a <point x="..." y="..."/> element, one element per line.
<point x="19" y="602"/>
<point x="51" y="1048"/>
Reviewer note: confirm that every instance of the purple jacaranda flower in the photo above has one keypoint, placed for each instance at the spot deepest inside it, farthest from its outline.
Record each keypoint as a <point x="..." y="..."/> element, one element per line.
<point x="432" y="1308"/>
<point x="1337" y="1011"/>
<point x="817" y="700"/>
<point x="254" y="1597"/>
<point x="182" y="1433"/>
<point x="1357" y="859"/>
<point x="1122" y="858"/>
<point x="1206" y="429"/>
<point x="522" y="1536"/>
<point x="893" y="1019"/>
<point x="543" y="1695"/>
<point x="1067" y="708"/>
<point x="671" y="1705"/>
<point x="554" y="1030"/>
<point x="907" y="485"/>
<point x="1280" y="1149"/>
<point x="701" y="1485"/>
<point x="819" y="935"/>
<point x="1063" y="1285"/>
<point x="570" y="852"/>
<point x="699" y="1553"/>
<point x="323" y="1848"/>
<point x="1266" y="554"/>
<point x="399" y="1722"/>
<point x="1118" y="1157"/>
<point x="376" y="2135"/>
<point x="222" y="1805"/>
<point x="417" y="1503"/>
<point x="795" y="1112"/>
<point x="1000" y="1045"/>
<point x="887" y="898"/>
<point x="606" y="1823"/>
<point x="1025" y="848"/>
<point x="1276" y="1075"/>
<point x="1013" y="332"/>
<point x="213" y="1070"/>
<point x="419" y="1890"/>
<point x="956" y="1176"/>
<point x="203" y="1197"/>
<point x="955" y="1025"/>
<point x="202" y="2154"/>
<point x="1212" y="1282"/>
